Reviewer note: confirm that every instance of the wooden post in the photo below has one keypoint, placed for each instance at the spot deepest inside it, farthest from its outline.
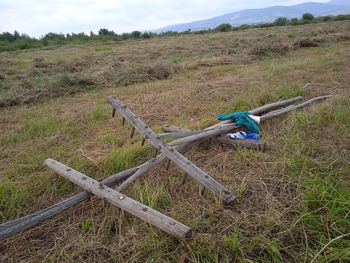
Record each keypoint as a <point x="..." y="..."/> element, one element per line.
<point x="130" y="205"/>
<point x="184" y="179"/>
<point x="168" y="165"/>
<point x="132" y="132"/>
<point x="194" y="171"/>
<point x="201" y="190"/>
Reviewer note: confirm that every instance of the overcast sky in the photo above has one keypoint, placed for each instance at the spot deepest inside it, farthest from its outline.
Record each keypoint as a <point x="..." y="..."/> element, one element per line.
<point x="38" y="17"/>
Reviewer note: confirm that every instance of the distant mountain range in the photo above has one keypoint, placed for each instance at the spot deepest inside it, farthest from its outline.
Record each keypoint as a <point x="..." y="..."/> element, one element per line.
<point x="263" y="15"/>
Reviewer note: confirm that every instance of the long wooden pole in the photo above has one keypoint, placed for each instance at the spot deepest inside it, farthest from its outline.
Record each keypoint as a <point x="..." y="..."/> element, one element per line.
<point x="170" y="152"/>
<point x="128" y="204"/>
<point x="15" y="226"/>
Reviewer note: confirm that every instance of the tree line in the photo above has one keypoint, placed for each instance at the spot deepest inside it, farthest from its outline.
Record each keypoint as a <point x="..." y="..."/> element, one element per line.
<point x="13" y="41"/>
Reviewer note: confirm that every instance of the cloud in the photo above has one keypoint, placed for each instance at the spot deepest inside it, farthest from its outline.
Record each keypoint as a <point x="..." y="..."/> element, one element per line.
<point x="37" y="18"/>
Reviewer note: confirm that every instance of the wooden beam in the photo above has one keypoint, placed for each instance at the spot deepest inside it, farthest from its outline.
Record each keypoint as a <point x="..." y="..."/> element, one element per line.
<point x="128" y="204"/>
<point x="172" y="128"/>
<point x="15" y="226"/>
<point x="194" y="171"/>
<point x="150" y="165"/>
<point x="264" y="108"/>
<point x="219" y="129"/>
<point x="177" y="135"/>
<point x="18" y="225"/>
<point x="290" y="108"/>
<point x="275" y="105"/>
<point x="249" y="144"/>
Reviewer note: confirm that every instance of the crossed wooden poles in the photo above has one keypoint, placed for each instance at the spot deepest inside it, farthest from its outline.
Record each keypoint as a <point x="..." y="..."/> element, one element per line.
<point x="185" y="139"/>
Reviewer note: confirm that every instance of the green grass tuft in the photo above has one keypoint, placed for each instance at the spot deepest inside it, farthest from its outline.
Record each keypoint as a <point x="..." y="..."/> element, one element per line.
<point x="241" y="104"/>
<point x="233" y="241"/>
<point x="11" y="199"/>
<point x="123" y="158"/>
<point x="86" y="224"/>
<point x="155" y="197"/>
<point x="48" y="126"/>
<point x="99" y="113"/>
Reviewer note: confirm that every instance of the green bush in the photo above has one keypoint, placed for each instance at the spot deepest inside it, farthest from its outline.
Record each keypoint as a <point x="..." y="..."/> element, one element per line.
<point x="136" y="34"/>
<point x="308" y="17"/>
<point x="281" y="21"/>
<point x="294" y="21"/>
<point x="224" y="27"/>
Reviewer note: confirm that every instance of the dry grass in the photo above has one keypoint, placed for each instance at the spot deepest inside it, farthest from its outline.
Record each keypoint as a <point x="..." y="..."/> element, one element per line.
<point x="33" y="75"/>
<point x="292" y="199"/>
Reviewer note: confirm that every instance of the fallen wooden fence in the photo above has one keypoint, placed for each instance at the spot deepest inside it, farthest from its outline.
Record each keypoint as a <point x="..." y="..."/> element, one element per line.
<point x="13" y="227"/>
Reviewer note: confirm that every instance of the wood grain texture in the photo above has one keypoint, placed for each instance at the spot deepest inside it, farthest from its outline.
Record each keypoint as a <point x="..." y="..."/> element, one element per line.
<point x="15" y="226"/>
<point x="194" y="171"/>
<point x="116" y="198"/>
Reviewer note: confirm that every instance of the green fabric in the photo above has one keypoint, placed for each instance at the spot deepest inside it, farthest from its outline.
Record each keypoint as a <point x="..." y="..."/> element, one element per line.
<point x="241" y="119"/>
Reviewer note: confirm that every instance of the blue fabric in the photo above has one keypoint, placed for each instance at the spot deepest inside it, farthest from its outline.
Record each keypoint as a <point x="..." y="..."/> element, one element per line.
<point x="253" y="136"/>
<point x="242" y="135"/>
<point x="241" y="119"/>
<point x="232" y="115"/>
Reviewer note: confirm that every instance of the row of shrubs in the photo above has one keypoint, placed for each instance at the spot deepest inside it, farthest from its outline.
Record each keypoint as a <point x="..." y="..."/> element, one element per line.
<point x="307" y="18"/>
<point x="15" y="41"/>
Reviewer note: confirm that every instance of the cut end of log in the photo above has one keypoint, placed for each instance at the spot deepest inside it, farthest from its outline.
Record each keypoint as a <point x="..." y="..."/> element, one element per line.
<point x="188" y="234"/>
<point x="228" y="198"/>
<point x="49" y="161"/>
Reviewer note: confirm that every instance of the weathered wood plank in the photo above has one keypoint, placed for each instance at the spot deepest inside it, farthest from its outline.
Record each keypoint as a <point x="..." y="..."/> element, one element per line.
<point x="264" y="108"/>
<point x="128" y="204"/>
<point x="275" y="105"/>
<point x="172" y="128"/>
<point x="290" y="108"/>
<point x="13" y="227"/>
<point x="194" y="171"/>
<point x="177" y="132"/>
<point x="177" y="135"/>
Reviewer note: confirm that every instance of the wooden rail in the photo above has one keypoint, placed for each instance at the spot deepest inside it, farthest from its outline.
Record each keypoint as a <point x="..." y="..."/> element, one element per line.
<point x="128" y="204"/>
<point x="18" y="225"/>
<point x="191" y="169"/>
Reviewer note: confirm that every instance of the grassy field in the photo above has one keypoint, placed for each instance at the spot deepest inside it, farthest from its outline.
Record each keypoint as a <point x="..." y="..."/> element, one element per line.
<point x="34" y="75"/>
<point x="293" y="200"/>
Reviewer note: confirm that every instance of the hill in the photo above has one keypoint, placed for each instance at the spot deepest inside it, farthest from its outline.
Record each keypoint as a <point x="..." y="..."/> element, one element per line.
<point x="263" y="15"/>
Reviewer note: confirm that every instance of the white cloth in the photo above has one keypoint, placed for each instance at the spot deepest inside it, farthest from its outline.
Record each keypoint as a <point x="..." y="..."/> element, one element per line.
<point x="255" y="118"/>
